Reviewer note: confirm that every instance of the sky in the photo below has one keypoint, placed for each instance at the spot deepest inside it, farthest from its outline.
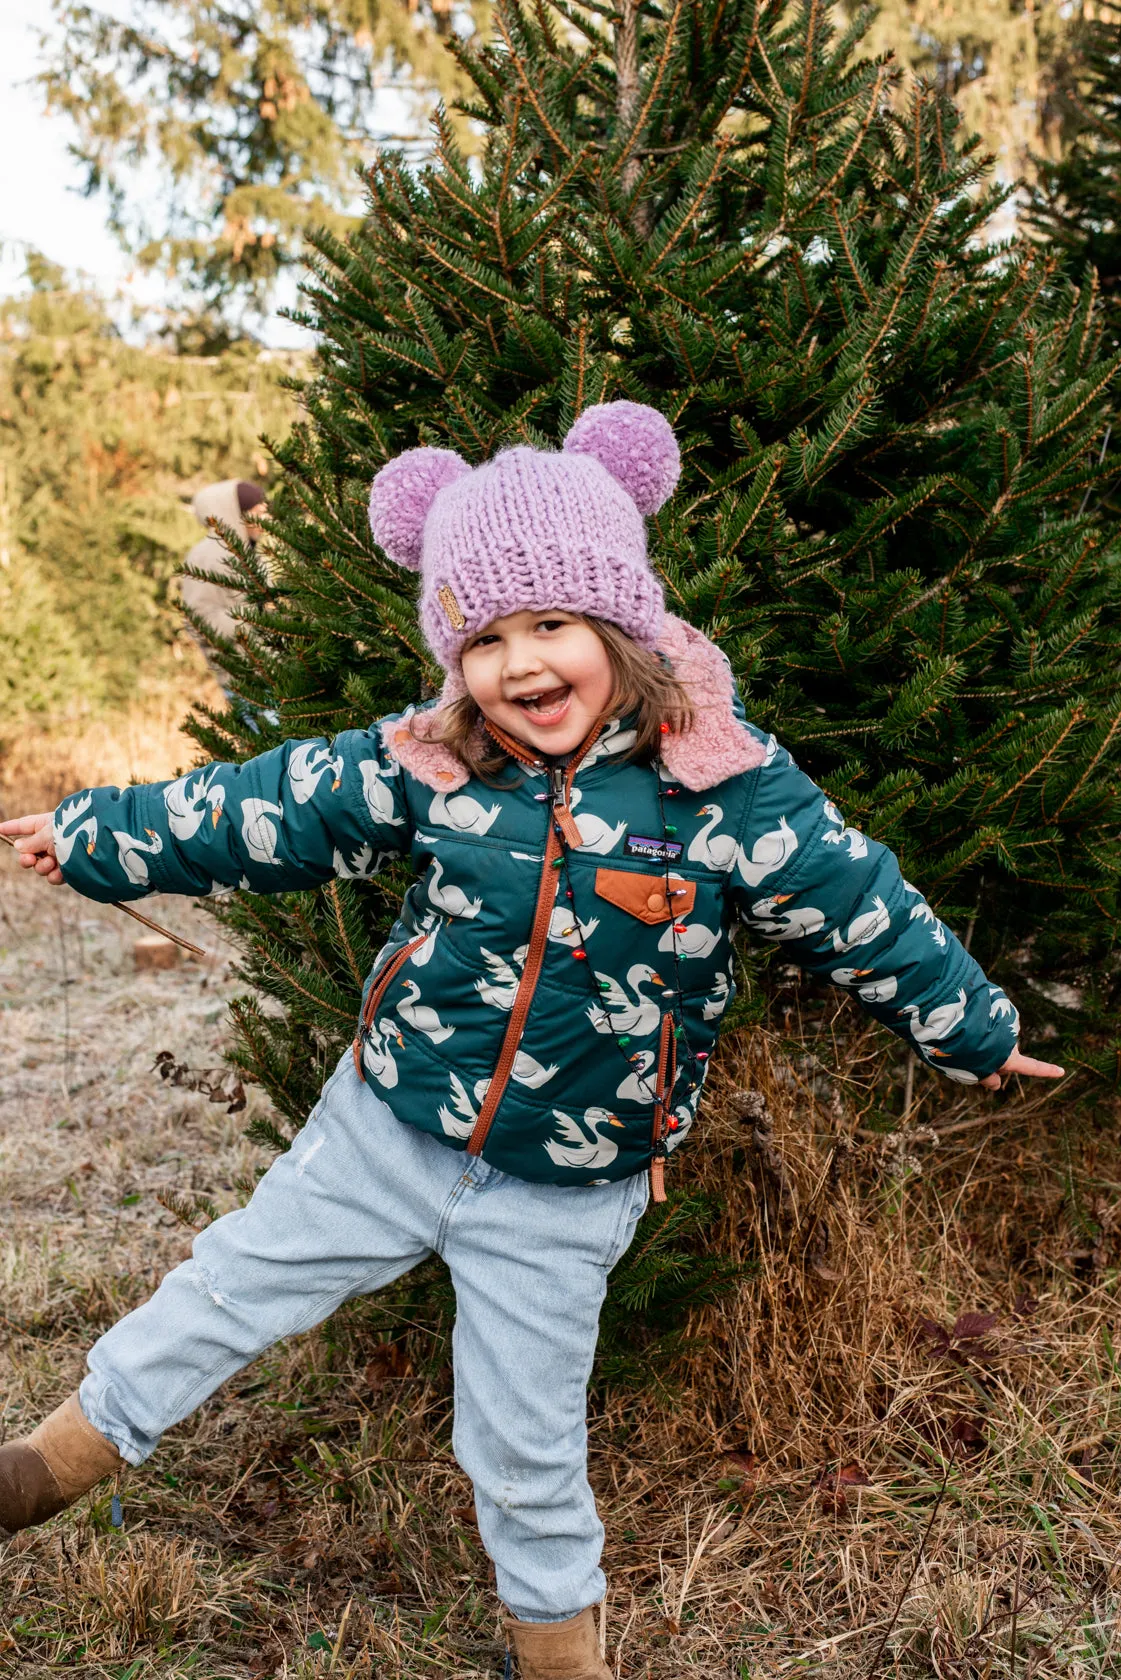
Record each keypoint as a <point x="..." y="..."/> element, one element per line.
<point x="37" y="205"/>
<point x="39" y="202"/>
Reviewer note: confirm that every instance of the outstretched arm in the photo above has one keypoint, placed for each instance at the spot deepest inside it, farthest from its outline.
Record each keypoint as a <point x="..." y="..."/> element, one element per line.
<point x="838" y="903"/>
<point x="289" y="819"/>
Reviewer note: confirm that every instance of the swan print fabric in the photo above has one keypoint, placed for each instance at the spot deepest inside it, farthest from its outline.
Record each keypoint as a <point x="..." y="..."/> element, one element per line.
<point x="473" y="951"/>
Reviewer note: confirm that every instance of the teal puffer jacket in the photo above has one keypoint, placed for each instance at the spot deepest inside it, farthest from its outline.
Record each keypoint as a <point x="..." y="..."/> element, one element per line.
<point x="551" y="991"/>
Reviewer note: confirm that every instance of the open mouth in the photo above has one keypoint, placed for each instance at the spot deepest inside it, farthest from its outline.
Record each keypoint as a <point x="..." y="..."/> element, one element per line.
<point x="546" y="706"/>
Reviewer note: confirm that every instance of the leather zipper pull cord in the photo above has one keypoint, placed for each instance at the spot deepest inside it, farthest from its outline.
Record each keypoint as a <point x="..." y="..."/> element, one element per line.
<point x="562" y="816"/>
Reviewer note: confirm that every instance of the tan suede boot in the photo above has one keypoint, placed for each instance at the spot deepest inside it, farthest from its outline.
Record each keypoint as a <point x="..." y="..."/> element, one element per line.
<point x="558" y="1650"/>
<point x="52" y="1467"/>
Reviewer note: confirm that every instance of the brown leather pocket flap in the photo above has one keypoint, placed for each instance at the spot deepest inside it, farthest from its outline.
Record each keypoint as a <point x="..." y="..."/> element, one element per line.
<point x="644" y="895"/>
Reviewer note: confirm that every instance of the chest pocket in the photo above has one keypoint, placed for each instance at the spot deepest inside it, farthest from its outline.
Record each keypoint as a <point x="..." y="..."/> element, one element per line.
<point x="644" y="894"/>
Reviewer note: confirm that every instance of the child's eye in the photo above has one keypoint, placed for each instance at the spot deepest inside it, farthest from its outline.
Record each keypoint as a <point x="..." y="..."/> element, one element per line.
<point x="552" y="623"/>
<point x="483" y="641"/>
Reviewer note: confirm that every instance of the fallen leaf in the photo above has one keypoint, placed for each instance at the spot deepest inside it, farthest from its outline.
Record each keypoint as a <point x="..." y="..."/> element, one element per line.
<point x="854" y="1475"/>
<point x="970" y="1325"/>
<point x="966" y="1432"/>
<point x="388" y="1363"/>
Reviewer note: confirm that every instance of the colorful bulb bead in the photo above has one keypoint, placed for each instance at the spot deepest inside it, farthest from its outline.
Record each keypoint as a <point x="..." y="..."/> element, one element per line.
<point x="664" y="728"/>
<point x="702" y="1055"/>
<point x="671" y="828"/>
<point x="679" y="927"/>
<point x="580" y="955"/>
<point x="625" y="1039"/>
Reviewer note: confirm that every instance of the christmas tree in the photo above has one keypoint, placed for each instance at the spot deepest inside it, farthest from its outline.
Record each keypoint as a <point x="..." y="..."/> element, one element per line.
<point x="1076" y="204"/>
<point x="888" y="431"/>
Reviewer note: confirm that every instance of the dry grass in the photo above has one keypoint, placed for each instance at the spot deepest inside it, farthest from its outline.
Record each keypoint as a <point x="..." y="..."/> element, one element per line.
<point x="310" y="1520"/>
<point x="143" y="741"/>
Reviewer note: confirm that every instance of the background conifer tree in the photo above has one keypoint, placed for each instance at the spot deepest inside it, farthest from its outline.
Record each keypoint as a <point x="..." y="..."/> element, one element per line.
<point x="1076" y="204"/>
<point x="888" y="432"/>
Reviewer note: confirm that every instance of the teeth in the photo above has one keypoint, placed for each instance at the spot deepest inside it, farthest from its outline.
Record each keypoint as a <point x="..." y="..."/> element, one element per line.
<point x="532" y="702"/>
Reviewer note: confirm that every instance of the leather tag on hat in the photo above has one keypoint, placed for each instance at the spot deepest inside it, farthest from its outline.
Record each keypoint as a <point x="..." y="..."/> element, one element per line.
<point x="446" y="597"/>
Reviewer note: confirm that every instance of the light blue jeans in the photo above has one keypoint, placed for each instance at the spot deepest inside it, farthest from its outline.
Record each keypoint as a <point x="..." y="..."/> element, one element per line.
<point x="357" y="1200"/>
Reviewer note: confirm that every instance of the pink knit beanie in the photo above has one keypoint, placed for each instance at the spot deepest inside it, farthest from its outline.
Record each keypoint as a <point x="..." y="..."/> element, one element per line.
<point x="533" y="527"/>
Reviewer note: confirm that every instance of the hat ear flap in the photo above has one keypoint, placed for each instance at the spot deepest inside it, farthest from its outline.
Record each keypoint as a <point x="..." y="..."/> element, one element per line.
<point x="637" y="446"/>
<point x="402" y="494"/>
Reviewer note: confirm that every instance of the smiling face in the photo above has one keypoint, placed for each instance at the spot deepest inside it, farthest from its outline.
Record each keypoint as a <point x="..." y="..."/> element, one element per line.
<point x="543" y="677"/>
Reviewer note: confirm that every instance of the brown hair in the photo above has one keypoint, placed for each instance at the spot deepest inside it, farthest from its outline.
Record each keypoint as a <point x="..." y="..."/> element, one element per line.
<point x="643" y="686"/>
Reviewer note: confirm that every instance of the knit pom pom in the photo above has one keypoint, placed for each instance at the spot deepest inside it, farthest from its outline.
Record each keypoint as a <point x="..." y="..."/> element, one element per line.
<point x="401" y="495"/>
<point x="637" y="446"/>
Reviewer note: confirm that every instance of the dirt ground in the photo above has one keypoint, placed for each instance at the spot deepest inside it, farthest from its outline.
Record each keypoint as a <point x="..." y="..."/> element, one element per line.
<point x="825" y="1485"/>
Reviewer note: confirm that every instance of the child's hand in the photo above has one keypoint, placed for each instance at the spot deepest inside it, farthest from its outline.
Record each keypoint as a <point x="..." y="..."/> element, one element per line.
<point x="34" y="841"/>
<point x="1025" y="1065"/>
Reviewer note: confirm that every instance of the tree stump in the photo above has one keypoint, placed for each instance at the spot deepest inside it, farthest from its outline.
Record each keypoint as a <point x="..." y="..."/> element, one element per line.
<point x="153" y="952"/>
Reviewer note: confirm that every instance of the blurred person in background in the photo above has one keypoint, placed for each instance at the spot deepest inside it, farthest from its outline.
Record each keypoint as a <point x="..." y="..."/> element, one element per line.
<point x="238" y="505"/>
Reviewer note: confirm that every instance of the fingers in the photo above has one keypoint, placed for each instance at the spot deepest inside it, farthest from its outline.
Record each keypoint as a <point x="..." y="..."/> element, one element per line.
<point x="33" y="838"/>
<point x="1033" y="1069"/>
<point x="1027" y="1067"/>
<point x="27" y="825"/>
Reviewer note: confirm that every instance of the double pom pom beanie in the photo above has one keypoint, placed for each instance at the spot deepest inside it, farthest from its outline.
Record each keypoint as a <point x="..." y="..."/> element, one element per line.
<point x="533" y="527"/>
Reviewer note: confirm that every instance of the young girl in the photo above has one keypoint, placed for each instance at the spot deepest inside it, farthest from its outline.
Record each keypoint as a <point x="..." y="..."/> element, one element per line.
<point x="590" y="819"/>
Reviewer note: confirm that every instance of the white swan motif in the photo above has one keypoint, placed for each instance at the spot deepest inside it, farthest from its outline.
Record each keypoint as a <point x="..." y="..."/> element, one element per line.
<point x="1001" y="1006"/>
<point x="770" y="852"/>
<point x="715" y="851"/>
<point x="857" y="844"/>
<point x="787" y="924"/>
<point x="960" y="1076"/>
<point x="420" y="1016"/>
<point x="460" y="811"/>
<point x="577" y="1148"/>
<point x="615" y="739"/>
<point x="376" y="1054"/>
<point x="502" y="987"/>
<point x="871" y="991"/>
<point x="618" y="1012"/>
<point x="432" y="924"/>
<point x="926" y="914"/>
<point x="684" y="1117"/>
<point x="462" y="1123"/>
<point x="188" y="799"/>
<point x="636" y="1087"/>
<point x="130" y="854"/>
<point x="717" y="1002"/>
<point x="595" y="834"/>
<point x="567" y="929"/>
<point x="771" y="751"/>
<point x="363" y="866"/>
<point x="448" y="897"/>
<point x="526" y="1071"/>
<point x="379" y="798"/>
<point x="64" y="837"/>
<point x="863" y="929"/>
<point x="307" y="768"/>
<point x="258" y="831"/>
<point x="696" y="941"/>
<point x="941" y="1021"/>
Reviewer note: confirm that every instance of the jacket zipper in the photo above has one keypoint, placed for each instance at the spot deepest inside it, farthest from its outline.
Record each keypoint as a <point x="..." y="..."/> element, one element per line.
<point x="377" y="992"/>
<point x="559" y="813"/>
<point x="667" y="1079"/>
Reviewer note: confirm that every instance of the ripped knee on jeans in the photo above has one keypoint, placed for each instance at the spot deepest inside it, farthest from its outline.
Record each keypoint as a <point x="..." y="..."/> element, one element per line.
<point x="206" y="1284"/>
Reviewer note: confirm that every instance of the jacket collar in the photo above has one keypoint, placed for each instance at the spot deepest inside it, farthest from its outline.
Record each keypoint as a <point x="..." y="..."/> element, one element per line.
<point x="719" y="745"/>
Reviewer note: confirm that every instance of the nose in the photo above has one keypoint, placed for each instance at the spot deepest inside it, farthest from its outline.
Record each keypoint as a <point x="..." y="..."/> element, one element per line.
<point x="520" y="660"/>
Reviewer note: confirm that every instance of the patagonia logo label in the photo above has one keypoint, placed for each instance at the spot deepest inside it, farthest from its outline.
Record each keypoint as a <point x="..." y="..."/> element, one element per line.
<point x="642" y="846"/>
